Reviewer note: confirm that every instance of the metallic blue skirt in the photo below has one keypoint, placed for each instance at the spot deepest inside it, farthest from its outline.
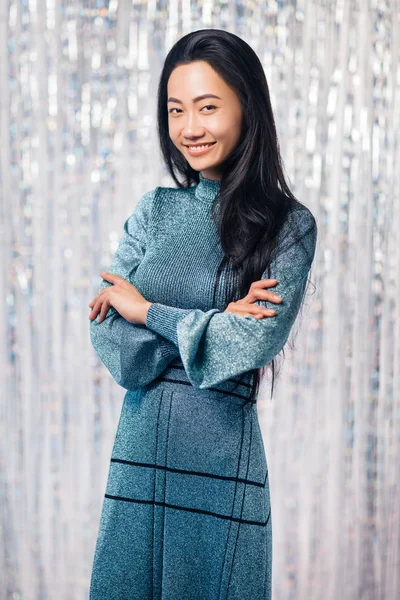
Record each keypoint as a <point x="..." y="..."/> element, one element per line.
<point x="186" y="513"/>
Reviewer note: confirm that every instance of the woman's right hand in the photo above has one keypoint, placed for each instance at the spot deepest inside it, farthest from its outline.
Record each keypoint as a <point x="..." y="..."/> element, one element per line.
<point x="245" y="305"/>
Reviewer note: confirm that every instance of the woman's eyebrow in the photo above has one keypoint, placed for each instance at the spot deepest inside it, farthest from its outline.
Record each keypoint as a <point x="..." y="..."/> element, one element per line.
<point x="202" y="97"/>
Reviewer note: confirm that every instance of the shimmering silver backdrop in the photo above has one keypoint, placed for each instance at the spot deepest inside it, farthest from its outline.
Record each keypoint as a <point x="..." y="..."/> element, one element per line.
<point x="78" y="85"/>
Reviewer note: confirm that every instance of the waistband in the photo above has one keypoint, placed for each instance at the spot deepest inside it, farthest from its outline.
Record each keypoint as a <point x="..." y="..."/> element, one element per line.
<point x="239" y="387"/>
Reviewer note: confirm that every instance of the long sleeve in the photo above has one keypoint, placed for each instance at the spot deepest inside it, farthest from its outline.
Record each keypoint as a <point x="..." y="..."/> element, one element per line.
<point x="133" y="354"/>
<point x="215" y="345"/>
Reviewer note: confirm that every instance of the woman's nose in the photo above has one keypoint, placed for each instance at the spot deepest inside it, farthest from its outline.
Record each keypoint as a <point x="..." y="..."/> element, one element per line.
<point x="192" y="126"/>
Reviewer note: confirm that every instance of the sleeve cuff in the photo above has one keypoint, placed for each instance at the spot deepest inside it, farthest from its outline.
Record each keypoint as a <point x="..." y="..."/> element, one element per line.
<point x="164" y="319"/>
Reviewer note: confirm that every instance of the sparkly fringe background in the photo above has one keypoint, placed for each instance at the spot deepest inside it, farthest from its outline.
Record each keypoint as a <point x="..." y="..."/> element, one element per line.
<point x="78" y="147"/>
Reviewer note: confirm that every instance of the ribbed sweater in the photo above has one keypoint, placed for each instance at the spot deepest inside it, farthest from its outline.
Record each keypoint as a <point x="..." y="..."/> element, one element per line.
<point x="170" y="251"/>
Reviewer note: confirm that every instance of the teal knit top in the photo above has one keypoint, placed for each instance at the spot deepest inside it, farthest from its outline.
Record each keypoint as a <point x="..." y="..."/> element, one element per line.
<point x="170" y="251"/>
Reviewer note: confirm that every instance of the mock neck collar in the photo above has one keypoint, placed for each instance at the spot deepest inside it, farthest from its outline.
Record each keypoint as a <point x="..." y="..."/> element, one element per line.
<point x="207" y="189"/>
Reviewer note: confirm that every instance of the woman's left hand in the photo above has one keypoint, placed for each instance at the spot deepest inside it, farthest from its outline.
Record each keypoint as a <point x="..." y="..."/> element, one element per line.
<point x="123" y="296"/>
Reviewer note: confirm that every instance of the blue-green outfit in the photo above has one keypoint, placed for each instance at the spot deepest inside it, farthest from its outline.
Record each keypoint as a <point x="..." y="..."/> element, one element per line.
<point x="187" y="513"/>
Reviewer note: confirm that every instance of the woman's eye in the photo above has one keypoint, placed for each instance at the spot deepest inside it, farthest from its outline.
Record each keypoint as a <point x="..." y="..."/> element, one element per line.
<point x="210" y="106"/>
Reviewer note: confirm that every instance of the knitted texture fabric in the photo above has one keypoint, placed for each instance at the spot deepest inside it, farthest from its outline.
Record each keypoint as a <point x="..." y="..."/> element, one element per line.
<point x="187" y="514"/>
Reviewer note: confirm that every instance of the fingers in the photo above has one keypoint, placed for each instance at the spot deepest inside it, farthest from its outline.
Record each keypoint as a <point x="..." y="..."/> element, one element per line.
<point x="260" y="315"/>
<point x="94" y="313"/>
<point x="260" y="294"/>
<point x="265" y="312"/>
<point x="257" y="292"/>
<point x="96" y="297"/>
<point x="110" y="276"/>
<point x="250" y="310"/>
<point x="100" y="305"/>
<point x="104" y="310"/>
<point x="114" y="279"/>
<point x="95" y="309"/>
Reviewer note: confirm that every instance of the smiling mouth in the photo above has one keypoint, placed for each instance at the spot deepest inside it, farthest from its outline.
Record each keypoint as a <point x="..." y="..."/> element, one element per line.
<point x="195" y="146"/>
<point x="199" y="149"/>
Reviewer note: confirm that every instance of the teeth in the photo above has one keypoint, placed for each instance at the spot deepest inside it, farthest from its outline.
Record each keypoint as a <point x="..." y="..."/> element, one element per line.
<point x="200" y="147"/>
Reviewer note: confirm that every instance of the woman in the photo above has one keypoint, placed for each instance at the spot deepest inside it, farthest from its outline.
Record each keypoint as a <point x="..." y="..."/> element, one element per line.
<point x="186" y="324"/>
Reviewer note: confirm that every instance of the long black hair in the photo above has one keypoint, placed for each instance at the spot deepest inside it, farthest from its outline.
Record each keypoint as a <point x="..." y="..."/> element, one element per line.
<point x="254" y="198"/>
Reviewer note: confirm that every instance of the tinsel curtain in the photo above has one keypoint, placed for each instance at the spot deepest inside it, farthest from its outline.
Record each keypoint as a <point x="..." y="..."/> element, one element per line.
<point x="78" y="147"/>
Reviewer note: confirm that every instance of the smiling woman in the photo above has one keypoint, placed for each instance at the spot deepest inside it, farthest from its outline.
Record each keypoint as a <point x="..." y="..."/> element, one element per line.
<point x="187" y="328"/>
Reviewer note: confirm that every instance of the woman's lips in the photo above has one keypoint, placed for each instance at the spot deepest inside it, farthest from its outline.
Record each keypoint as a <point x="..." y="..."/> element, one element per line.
<point x="201" y="150"/>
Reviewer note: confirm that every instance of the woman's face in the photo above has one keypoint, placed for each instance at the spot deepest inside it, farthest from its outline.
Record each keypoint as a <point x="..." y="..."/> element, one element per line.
<point x="214" y="119"/>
